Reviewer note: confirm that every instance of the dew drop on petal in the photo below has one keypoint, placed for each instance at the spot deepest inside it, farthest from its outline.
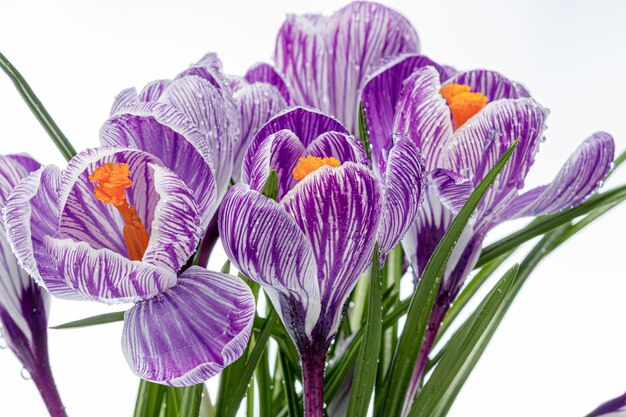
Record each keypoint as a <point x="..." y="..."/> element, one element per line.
<point x="25" y="374"/>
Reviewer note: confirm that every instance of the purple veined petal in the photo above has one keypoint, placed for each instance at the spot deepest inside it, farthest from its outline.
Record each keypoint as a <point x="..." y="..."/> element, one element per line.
<point x="209" y="67"/>
<point x="154" y="90"/>
<point x="445" y="194"/>
<point x="492" y="84"/>
<point x="342" y="147"/>
<point x="580" y="176"/>
<point x="175" y="231"/>
<point x="83" y="218"/>
<point x="383" y="90"/>
<point x="31" y="214"/>
<point x="190" y="332"/>
<point x="403" y="191"/>
<point x="105" y="276"/>
<point x="214" y="117"/>
<point x="125" y="98"/>
<point x="306" y="123"/>
<point x="279" y="151"/>
<point x="424" y="116"/>
<point x="300" y="56"/>
<point x="266" y="244"/>
<point x="165" y="132"/>
<point x="357" y="37"/>
<point x="13" y="168"/>
<point x="265" y="73"/>
<point x="257" y="103"/>
<point x="480" y="142"/>
<point x="339" y="211"/>
<point x="612" y="408"/>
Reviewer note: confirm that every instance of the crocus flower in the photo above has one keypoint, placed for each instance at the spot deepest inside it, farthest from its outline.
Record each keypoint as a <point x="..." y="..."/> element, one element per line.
<point x="323" y="60"/>
<point x="308" y="247"/>
<point x="612" y="408"/>
<point x="463" y="123"/>
<point x="24" y="306"/>
<point x="117" y="226"/>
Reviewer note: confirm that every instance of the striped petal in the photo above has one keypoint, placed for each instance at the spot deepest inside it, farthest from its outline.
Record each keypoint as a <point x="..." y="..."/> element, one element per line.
<point x="257" y="103"/>
<point x="265" y="73"/>
<point x="154" y="90"/>
<point x="382" y="94"/>
<point x="581" y="175"/>
<point x="105" y="276"/>
<point x="612" y="408"/>
<point x="190" y="332"/>
<point x="492" y="84"/>
<point x="125" y="98"/>
<point x="403" y="192"/>
<point x="267" y="245"/>
<point x="13" y="168"/>
<point x="423" y="115"/>
<point x="165" y="132"/>
<point x="479" y="143"/>
<point x="339" y="211"/>
<point x="306" y="123"/>
<point x="343" y="147"/>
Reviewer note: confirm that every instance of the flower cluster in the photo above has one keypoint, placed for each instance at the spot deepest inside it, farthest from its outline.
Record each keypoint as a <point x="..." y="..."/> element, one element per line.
<point x="311" y="169"/>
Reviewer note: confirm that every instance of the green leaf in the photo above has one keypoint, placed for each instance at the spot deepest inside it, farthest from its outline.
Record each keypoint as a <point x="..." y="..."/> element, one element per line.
<point x="150" y="399"/>
<point x="191" y="399"/>
<point x="367" y="362"/>
<point x="463" y="351"/>
<point x="234" y="388"/>
<point x="270" y="189"/>
<point x="408" y="347"/>
<point x="293" y="407"/>
<point x="92" y="321"/>
<point x="364" y="133"/>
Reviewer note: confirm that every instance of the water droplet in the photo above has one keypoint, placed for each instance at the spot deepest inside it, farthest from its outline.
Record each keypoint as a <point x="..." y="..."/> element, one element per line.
<point x="25" y="374"/>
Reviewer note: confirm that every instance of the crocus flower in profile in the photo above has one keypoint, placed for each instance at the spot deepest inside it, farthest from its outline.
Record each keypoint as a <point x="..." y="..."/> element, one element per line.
<point x="24" y="305"/>
<point x="308" y="246"/>
<point x="117" y="226"/>
<point x="463" y="123"/>
<point x="612" y="408"/>
<point x="321" y="61"/>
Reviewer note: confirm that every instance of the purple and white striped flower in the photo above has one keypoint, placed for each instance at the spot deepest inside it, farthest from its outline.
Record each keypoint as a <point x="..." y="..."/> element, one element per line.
<point x="24" y="306"/>
<point x="321" y="61"/>
<point x="463" y="123"/>
<point x="117" y="225"/>
<point x="308" y="247"/>
<point x="612" y="408"/>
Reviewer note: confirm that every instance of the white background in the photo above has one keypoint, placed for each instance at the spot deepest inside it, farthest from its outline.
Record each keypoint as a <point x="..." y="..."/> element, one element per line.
<point x="560" y="351"/>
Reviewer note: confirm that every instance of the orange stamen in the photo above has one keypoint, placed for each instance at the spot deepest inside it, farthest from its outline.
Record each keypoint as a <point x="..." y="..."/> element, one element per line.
<point x="308" y="164"/>
<point x="463" y="102"/>
<point x="112" y="181"/>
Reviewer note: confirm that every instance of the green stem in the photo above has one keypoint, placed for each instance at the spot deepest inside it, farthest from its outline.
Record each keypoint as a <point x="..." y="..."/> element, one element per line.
<point x="40" y="112"/>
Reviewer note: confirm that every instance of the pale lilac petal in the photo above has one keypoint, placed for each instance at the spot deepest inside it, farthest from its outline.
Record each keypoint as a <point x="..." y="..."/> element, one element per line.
<point x="306" y="123"/>
<point x="265" y="73"/>
<point x="445" y="194"/>
<point x="403" y="192"/>
<point x="492" y="84"/>
<point x="357" y="37"/>
<point x="163" y="131"/>
<point x="612" y="408"/>
<point x="31" y="213"/>
<point x="266" y="244"/>
<point x="342" y="147"/>
<point x="105" y="276"/>
<point x="480" y="142"/>
<point x="257" y="103"/>
<point x="280" y="152"/>
<point x="154" y="90"/>
<point x="13" y="168"/>
<point x="125" y="98"/>
<point x="581" y="175"/>
<point x="383" y="91"/>
<point x="190" y="332"/>
<point x="424" y="116"/>
<point x="339" y="211"/>
<point x="175" y="231"/>
<point x="214" y="117"/>
<point x="209" y="67"/>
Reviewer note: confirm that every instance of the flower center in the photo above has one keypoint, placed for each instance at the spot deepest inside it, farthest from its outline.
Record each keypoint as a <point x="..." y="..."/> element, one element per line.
<point x="463" y="102"/>
<point x="308" y="164"/>
<point x="112" y="181"/>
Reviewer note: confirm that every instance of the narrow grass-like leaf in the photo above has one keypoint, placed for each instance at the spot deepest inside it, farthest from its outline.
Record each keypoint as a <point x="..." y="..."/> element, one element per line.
<point x="293" y="407"/>
<point x="150" y="399"/>
<point x="463" y="351"/>
<point x="191" y="399"/>
<point x="92" y="321"/>
<point x="364" y="133"/>
<point x="367" y="362"/>
<point x="408" y="347"/>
